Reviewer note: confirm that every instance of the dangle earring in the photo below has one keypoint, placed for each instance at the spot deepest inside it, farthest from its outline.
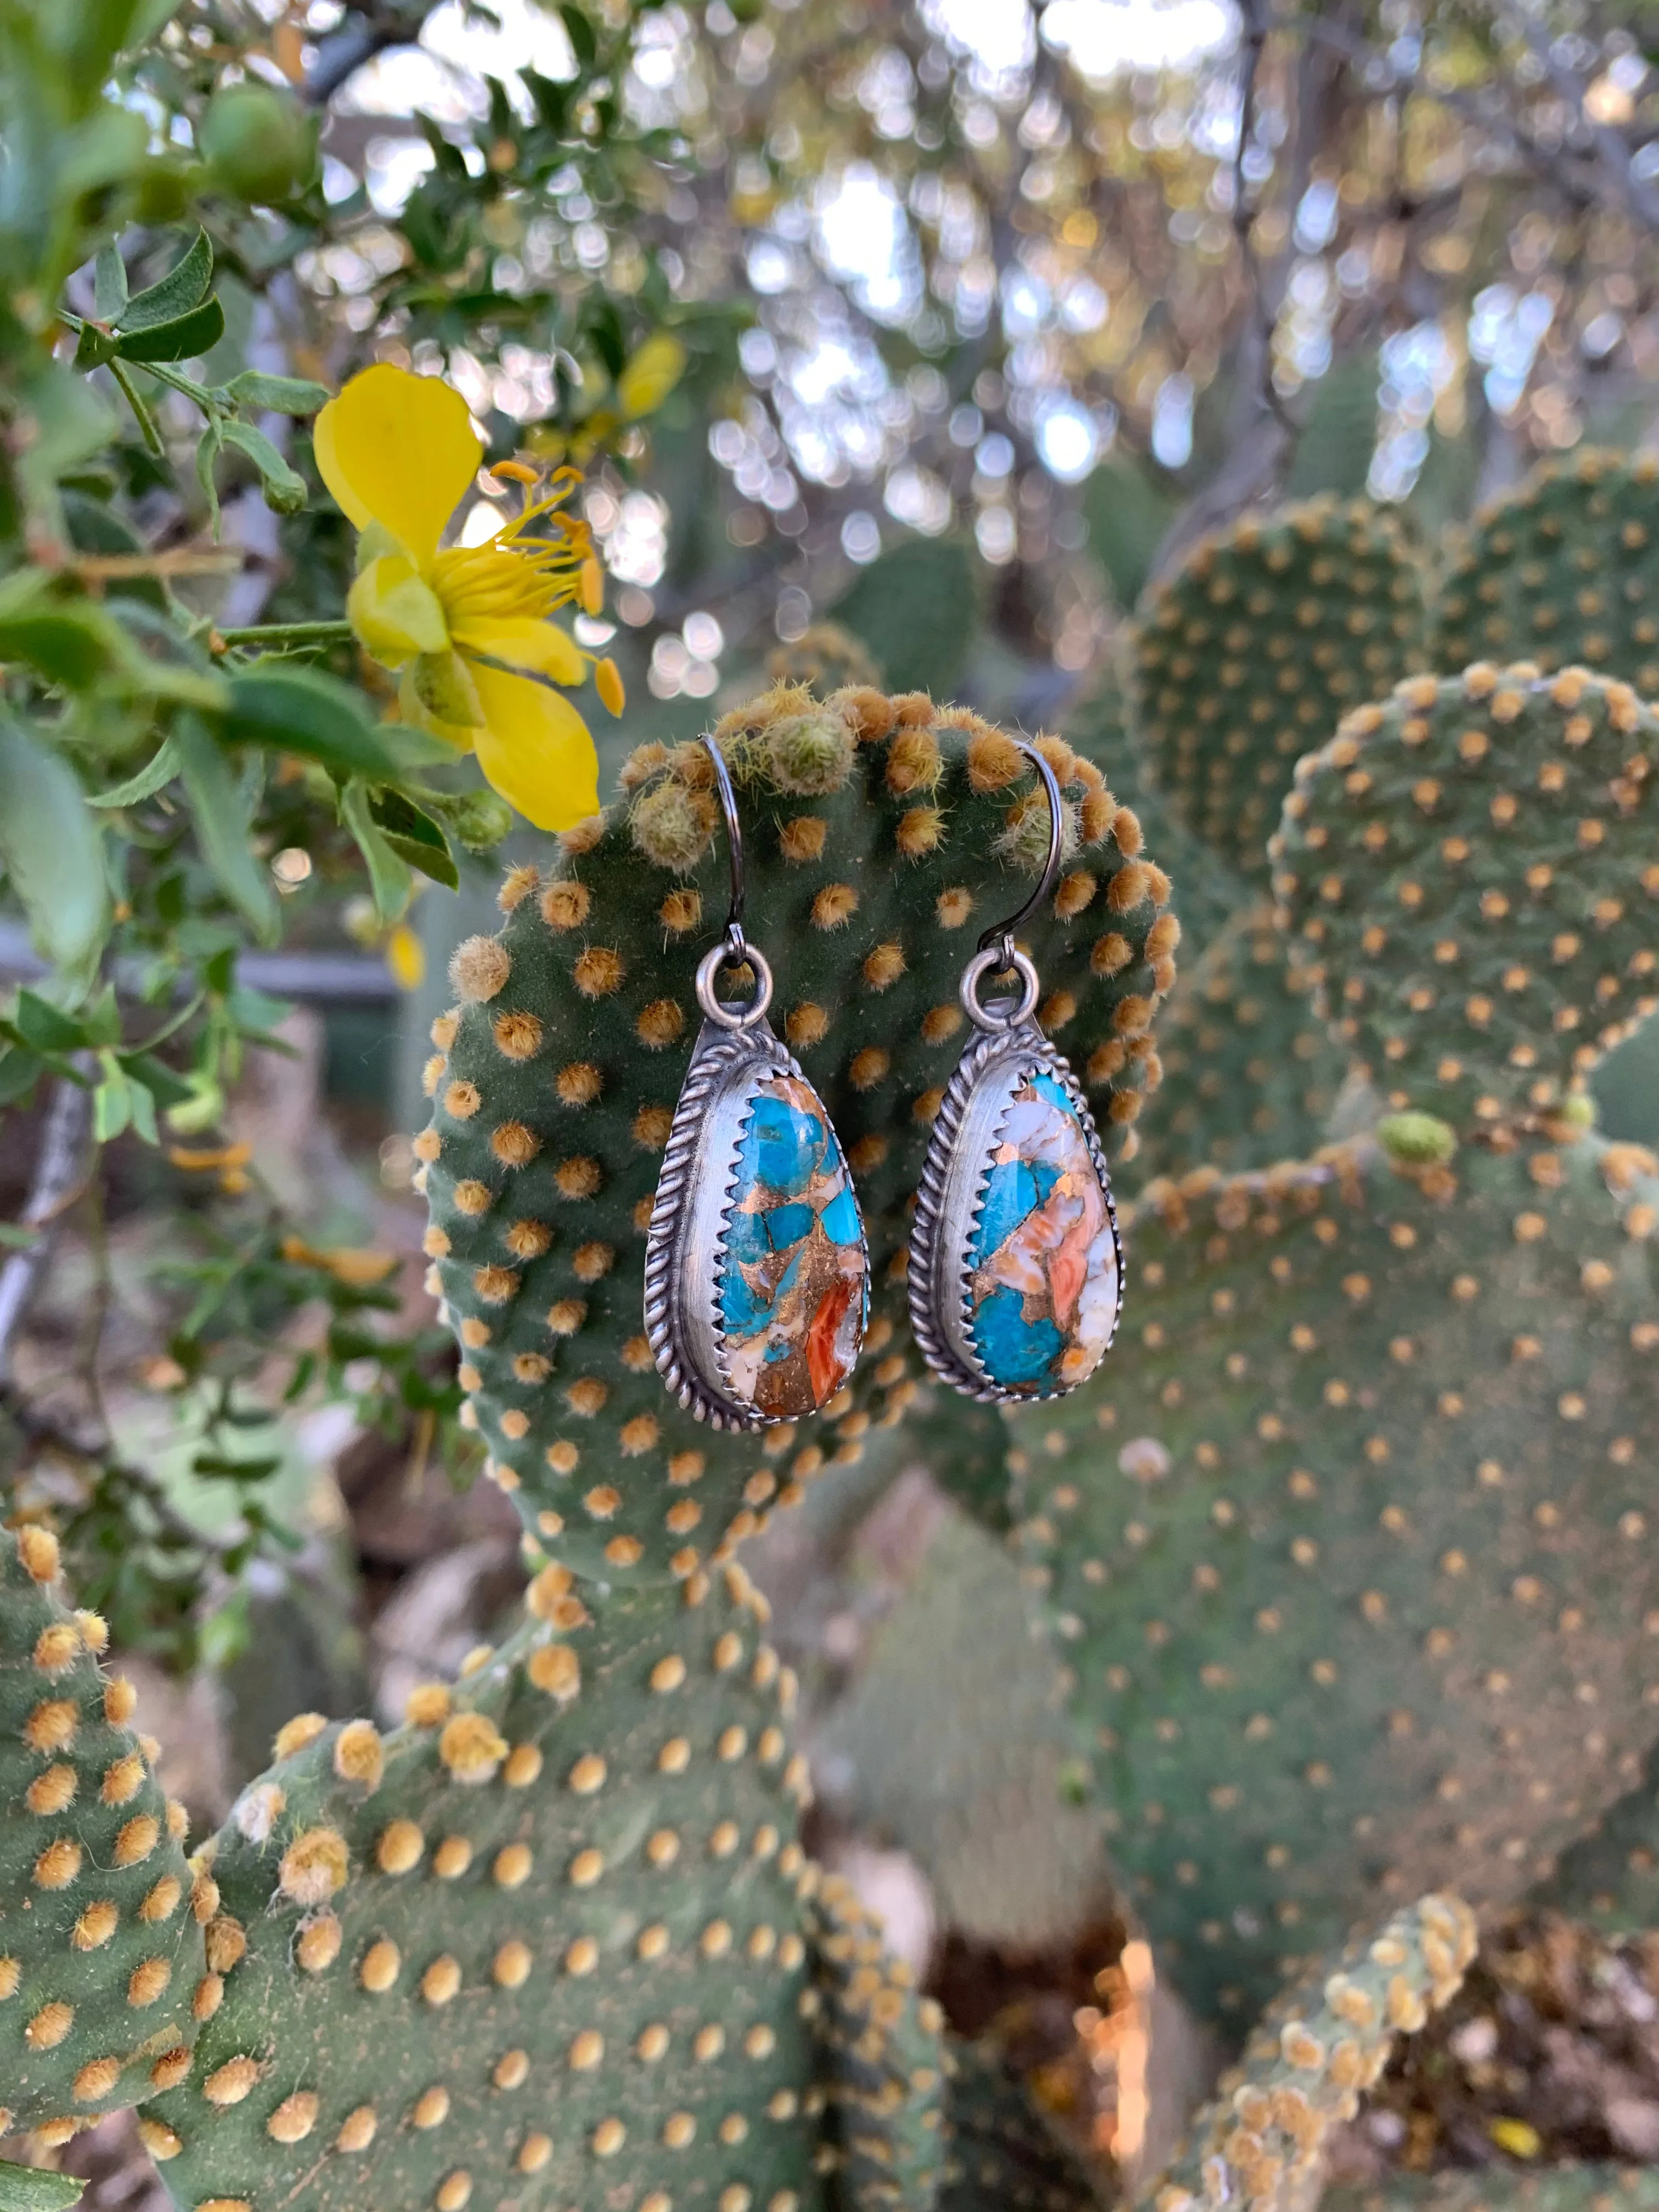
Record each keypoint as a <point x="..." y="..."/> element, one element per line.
<point x="756" y="1271"/>
<point x="1015" y="1271"/>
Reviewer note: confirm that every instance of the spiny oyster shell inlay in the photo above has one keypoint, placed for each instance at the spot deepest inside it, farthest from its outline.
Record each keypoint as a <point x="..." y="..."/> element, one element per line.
<point x="793" y="1284"/>
<point x="1043" y="1259"/>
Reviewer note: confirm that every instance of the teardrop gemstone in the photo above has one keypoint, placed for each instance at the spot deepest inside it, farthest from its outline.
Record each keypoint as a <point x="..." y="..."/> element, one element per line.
<point x="1042" y="1284"/>
<point x="793" y="1288"/>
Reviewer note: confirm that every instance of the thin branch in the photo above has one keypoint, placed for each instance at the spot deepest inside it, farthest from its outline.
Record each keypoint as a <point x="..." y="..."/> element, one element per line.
<point x="1244" y="212"/>
<point x="57" y="1177"/>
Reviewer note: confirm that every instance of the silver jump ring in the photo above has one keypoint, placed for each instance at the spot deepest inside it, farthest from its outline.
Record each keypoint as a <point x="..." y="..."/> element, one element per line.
<point x="1006" y="1014"/>
<point x="743" y="1017"/>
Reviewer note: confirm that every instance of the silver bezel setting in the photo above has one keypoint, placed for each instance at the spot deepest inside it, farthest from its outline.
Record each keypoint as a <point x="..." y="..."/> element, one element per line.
<point x="952" y="1195"/>
<point x="689" y="1219"/>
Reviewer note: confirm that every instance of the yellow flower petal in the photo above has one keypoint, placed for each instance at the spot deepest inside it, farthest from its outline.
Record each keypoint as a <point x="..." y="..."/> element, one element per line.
<point x="650" y="375"/>
<point x="536" y="750"/>
<point x="399" y="450"/>
<point x="523" y="643"/>
<point x="395" y="615"/>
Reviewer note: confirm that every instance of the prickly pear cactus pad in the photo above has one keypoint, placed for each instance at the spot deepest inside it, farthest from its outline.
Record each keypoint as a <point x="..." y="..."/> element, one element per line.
<point x="884" y="2062"/>
<point x="1472" y="871"/>
<point x="881" y="836"/>
<point x="100" y="1956"/>
<point x="1208" y="893"/>
<point x="1260" y="2143"/>
<point x="1507" y="2189"/>
<point x="1248" y="653"/>
<point x="1253" y="1076"/>
<point x="1564" y="571"/>
<point x="1002" y="2155"/>
<point x="1610" y="1876"/>
<point x="540" y="1947"/>
<point x="1349" y="1564"/>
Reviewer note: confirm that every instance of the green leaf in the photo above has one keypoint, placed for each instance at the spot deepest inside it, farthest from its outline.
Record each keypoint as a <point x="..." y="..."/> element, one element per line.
<point x="64" y="643"/>
<point x="284" y="487"/>
<point x="584" y="40"/>
<point x="415" y="837"/>
<point x="388" y="874"/>
<point x="94" y="347"/>
<point x="109" y="284"/>
<point x="300" y="710"/>
<point x="398" y="818"/>
<point x="223" y="817"/>
<point x="184" y="287"/>
<point x="53" y="853"/>
<point x="45" y="1027"/>
<point x="155" y="775"/>
<point x="207" y="453"/>
<point x="160" y="1083"/>
<point x="112" y="1107"/>
<point x="19" y="1073"/>
<point x="31" y="2189"/>
<point x="279" y="395"/>
<point x="182" y="339"/>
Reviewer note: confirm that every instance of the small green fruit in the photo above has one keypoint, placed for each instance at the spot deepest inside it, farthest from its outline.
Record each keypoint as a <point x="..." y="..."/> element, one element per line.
<point x="259" y="144"/>
<point x="478" y="818"/>
<point x="1417" y="1141"/>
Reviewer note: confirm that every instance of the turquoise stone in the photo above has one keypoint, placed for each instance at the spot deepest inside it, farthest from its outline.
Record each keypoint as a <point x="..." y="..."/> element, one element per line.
<point x="1043" y="1257"/>
<point x="793" y="1287"/>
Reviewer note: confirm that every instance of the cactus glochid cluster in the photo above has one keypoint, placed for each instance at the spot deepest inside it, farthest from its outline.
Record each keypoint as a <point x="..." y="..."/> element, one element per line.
<point x="1343" y="1559"/>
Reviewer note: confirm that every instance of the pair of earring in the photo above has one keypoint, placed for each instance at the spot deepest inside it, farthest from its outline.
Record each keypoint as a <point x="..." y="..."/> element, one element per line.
<point x="757" y="1271"/>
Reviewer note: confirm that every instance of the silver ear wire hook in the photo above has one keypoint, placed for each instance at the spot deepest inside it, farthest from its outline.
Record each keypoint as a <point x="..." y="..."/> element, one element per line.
<point x="997" y="954"/>
<point x="734" y="947"/>
<point x="1014" y="1275"/>
<point x="734" y="936"/>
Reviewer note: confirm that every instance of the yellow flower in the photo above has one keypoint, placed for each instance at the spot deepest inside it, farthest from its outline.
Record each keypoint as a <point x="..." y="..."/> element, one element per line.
<point x="466" y="625"/>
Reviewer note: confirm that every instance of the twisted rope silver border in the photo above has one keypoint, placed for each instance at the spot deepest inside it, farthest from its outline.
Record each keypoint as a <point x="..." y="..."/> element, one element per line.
<point x="1026" y="1044"/>
<point x="717" y="1054"/>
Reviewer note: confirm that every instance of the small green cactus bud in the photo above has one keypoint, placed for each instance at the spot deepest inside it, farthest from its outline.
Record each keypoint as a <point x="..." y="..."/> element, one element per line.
<point x="1417" y="1141"/>
<point x="671" y="824"/>
<point x="809" y="753"/>
<point x="259" y="143"/>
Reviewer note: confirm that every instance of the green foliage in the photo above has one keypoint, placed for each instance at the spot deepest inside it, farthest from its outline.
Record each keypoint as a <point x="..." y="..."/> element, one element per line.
<point x="1127" y="514"/>
<point x="915" y="610"/>
<point x="100" y="1949"/>
<point x="872" y="835"/>
<point x="1339" y="437"/>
